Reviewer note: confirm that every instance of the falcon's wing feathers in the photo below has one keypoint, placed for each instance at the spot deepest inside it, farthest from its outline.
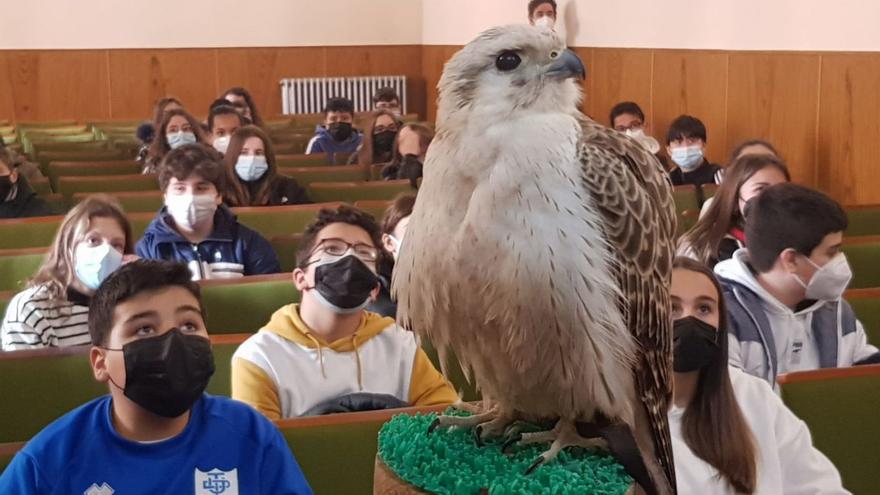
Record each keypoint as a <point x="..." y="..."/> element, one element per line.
<point x="633" y="195"/>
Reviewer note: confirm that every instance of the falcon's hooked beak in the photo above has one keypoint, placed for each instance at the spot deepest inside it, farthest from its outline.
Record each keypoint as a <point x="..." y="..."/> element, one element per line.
<point x="567" y="65"/>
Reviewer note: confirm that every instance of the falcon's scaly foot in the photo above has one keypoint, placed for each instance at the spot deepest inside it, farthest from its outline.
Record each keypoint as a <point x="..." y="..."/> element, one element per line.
<point x="563" y="435"/>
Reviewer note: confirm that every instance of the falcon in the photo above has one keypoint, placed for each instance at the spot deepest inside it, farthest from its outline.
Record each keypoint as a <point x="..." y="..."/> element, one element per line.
<point x="539" y="252"/>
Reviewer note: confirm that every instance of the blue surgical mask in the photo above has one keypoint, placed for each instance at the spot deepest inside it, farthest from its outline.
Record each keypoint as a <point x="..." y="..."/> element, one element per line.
<point x="689" y="158"/>
<point x="94" y="264"/>
<point x="251" y="167"/>
<point x="178" y="139"/>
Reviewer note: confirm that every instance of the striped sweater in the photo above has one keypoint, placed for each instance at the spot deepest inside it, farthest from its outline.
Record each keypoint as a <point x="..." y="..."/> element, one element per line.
<point x="34" y="320"/>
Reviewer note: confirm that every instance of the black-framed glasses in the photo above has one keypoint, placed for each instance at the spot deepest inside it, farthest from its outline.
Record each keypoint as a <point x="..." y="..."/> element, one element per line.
<point x="339" y="247"/>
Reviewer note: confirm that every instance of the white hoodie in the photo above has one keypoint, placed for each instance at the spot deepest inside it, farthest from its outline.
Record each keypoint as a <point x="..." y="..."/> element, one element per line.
<point x="797" y="347"/>
<point x="787" y="461"/>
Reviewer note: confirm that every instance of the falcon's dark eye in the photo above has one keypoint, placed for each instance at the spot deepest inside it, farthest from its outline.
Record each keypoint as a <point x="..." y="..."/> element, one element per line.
<point x="507" y="61"/>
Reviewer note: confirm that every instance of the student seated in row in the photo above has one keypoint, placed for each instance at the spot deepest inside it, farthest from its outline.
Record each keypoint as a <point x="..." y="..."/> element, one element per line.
<point x="178" y="128"/>
<point x="223" y="121"/>
<point x="156" y="431"/>
<point x="394" y="224"/>
<point x="387" y="100"/>
<point x="254" y="179"/>
<point x="379" y="138"/>
<point x="730" y="432"/>
<point x="241" y="98"/>
<point x="686" y="145"/>
<point x="195" y="228"/>
<point x="337" y="134"/>
<point x="146" y="132"/>
<point x="17" y="199"/>
<point x="93" y="241"/>
<point x="784" y="291"/>
<point x="410" y="149"/>
<point x="720" y="231"/>
<point x="327" y="354"/>
<point x="628" y="118"/>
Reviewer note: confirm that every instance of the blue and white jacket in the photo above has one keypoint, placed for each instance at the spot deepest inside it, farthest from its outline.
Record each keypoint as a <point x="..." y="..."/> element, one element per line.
<point x="767" y="338"/>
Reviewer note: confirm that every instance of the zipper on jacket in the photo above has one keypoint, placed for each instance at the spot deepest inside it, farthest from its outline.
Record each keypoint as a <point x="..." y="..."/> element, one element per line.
<point x="199" y="261"/>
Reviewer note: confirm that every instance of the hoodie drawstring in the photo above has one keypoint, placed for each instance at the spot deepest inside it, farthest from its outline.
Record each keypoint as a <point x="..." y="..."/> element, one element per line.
<point x="320" y="353"/>
<point x="357" y="358"/>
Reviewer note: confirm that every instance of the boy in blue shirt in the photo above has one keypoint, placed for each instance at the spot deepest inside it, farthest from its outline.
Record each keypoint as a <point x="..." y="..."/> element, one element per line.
<point x="337" y="134"/>
<point x="157" y="431"/>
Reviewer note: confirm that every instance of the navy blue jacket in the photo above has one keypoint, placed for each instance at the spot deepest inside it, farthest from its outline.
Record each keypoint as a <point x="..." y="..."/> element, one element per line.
<point x="229" y="251"/>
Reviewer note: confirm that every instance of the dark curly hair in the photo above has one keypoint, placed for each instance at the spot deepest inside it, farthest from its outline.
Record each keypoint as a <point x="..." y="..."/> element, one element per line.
<point x="341" y="214"/>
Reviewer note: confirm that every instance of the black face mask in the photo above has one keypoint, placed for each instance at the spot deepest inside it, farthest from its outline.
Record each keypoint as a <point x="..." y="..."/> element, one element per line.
<point x="167" y="374"/>
<point x="383" y="141"/>
<point x="694" y="345"/>
<point x="410" y="168"/>
<point x="5" y="187"/>
<point x="339" y="131"/>
<point x="345" y="284"/>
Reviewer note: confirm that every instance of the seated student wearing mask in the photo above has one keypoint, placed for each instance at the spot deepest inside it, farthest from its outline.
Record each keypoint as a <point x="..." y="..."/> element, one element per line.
<point x="223" y="121"/>
<point x="784" y="289"/>
<point x="410" y="149"/>
<point x="394" y="224"/>
<point x="386" y="99"/>
<point x="195" y="228"/>
<point x="93" y="241"/>
<point x="178" y="128"/>
<point x="254" y="180"/>
<point x="730" y="432"/>
<point x="241" y="98"/>
<point x="628" y="118"/>
<point x="337" y="133"/>
<point x="542" y="13"/>
<point x="327" y="354"/>
<point x="17" y="199"/>
<point x="380" y="147"/>
<point x="685" y="144"/>
<point x="157" y="431"/>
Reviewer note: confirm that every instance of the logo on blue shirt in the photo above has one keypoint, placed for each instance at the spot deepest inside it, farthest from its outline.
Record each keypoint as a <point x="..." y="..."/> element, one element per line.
<point x="216" y="482"/>
<point x="104" y="489"/>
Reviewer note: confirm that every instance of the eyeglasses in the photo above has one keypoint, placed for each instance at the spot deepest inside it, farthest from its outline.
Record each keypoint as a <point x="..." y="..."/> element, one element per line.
<point x="338" y="247"/>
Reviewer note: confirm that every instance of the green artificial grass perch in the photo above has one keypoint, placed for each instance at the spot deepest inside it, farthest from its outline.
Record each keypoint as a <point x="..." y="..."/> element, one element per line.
<point x="449" y="462"/>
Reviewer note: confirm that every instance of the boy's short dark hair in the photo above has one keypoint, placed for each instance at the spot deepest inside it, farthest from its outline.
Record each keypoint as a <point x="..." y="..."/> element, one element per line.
<point x="534" y="4"/>
<point x="190" y="159"/>
<point x="386" y="94"/>
<point x="131" y="280"/>
<point x="685" y="127"/>
<point x="226" y="109"/>
<point x="342" y="214"/>
<point x="338" y="104"/>
<point x="789" y="216"/>
<point x="626" y="107"/>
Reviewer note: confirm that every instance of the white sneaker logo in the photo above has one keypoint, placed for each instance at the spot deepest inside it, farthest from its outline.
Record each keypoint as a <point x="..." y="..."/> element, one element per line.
<point x="216" y="482"/>
<point x="104" y="489"/>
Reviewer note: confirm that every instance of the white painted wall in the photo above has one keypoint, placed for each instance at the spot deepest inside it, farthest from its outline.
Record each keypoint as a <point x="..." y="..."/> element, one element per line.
<point x="43" y="24"/>
<point x="845" y="25"/>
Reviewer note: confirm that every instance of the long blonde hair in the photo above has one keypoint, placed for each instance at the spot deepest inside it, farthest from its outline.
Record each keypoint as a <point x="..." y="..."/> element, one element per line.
<point x="56" y="272"/>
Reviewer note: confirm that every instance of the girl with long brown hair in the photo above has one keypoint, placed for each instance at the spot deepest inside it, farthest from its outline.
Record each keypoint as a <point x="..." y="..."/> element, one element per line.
<point x="177" y="128"/>
<point x="93" y="241"/>
<point x="410" y="148"/>
<point x="252" y="174"/>
<point x="719" y="231"/>
<point x="382" y="131"/>
<point x="240" y="96"/>
<point x="730" y="432"/>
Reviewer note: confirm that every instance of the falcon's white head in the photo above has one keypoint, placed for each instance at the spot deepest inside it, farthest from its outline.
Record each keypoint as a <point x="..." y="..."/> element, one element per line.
<point x="510" y="69"/>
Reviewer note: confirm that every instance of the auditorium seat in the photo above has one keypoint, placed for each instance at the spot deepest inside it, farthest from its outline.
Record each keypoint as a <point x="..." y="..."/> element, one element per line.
<point x="245" y="305"/>
<point x="863" y="221"/>
<point x="17" y="233"/>
<point x="375" y="207"/>
<point x="863" y="255"/>
<point x="312" y="160"/>
<point x="40" y="186"/>
<point x="335" y="173"/>
<point x="866" y="304"/>
<point x="132" y="201"/>
<point x="56" y="202"/>
<point x="272" y="221"/>
<point x="100" y="153"/>
<point x="685" y="198"/>
<point x="840" y="408"/>
<point x="467" y="391"/>
<point x="68" y="186"/>
<point x="80" y="169"/>
<point x="357" y="191"/>
<point x="285" y="247"/>
<point x="17" y="266"/>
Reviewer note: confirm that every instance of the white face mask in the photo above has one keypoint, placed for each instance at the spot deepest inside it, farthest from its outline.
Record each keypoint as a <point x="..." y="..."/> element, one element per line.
<point x="647" y="142"/>
<point x="178" y="139"/>
<point x="830" y="281"/>
<point x="398" y="243"/>
<point x="190" y="211"/>
<point x="94" y="264"/>
<point x="689" y="158"/>
<point x="251" y="167"/>
<point x="221" y="144"/>
<point x="545" y="22"/>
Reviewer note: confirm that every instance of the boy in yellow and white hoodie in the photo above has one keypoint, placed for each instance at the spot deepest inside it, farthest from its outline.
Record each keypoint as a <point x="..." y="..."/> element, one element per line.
<point x="327" y="353"/>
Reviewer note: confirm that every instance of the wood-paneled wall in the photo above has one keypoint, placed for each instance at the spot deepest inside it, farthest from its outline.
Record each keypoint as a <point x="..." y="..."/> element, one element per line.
<point x="820" y="109"/>
<point x="123" y="84"/>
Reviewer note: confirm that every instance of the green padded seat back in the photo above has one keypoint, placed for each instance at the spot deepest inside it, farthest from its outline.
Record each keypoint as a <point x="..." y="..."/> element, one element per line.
<point x="685" y="198"/>
<point x="352" y="192"/>
<point x="15" y="270"/>
<point x="246" y="307"/>
<point x="57" y="203"/>
<point x="376" y="208"/>
<point x="279" y="220"/>
<point x="80" y="154"/>
<point x="41" y="186"/>
<point x="868" y="312"/>
<point x="313" y="160"/>
<point x="68" y="186"/>
<point x="7" y="452"/>
<point x="221" y="381"/>
<point x="841" y="413"/>
<point x="132" y="201"/>
<point x="286" y="247"/>
<point x="20" y="233"/>
<point x="863" y="221"/>
<point x="865" y="262"/>
<point x="85" y="169"/>
<point x="337" y="173"/>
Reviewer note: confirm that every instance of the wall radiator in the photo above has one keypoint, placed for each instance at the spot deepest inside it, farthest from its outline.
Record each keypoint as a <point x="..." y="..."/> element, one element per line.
<point x="309" y="94"/>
